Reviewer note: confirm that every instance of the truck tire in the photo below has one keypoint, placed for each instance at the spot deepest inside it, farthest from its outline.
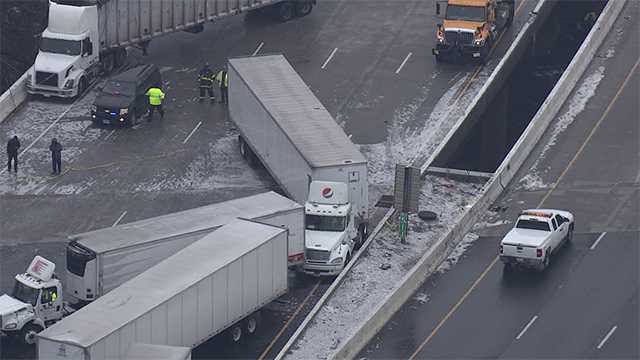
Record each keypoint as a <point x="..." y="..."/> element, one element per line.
<point x="546" y="262"/>
<point x="303" y="8"/>
<point x="120" y="56"/>
<point x="235" y="333"/>
<point x="285" y="11"/>
<point x="252" y="323"/>
<point x="108" y="63"/>
<point x="28" y="333"/>
<point x="82" y="87"/>
<point x="570" y="235"/>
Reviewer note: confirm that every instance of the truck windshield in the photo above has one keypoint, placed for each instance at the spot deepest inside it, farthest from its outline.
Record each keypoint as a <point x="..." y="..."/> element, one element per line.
<point x="24" y="293"/>
<point x="77" y="258"/>
<point x="115" y="87"/>
<point x="533" y="225"/>
<point x="326" y="223"/>
<point x="60" y="46"/>
<point x="469" y="13"/>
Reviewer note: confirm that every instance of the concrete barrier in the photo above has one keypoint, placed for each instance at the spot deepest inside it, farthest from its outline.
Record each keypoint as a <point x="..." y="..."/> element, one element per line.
<point x="13" y="97"/>
<point x="505" y="173"/>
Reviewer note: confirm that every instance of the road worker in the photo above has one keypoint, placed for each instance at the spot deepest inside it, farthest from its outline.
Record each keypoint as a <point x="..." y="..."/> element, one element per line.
<point x="205" y="77"/>
<point x="156" y="96"/>
<point x="223" y="80"/>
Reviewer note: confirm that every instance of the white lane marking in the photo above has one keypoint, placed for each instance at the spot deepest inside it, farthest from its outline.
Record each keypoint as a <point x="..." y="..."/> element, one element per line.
<point x="109" y="135"/>
<point x="329" y="58"/>
<point x="258" y="49"/>
<point x="120" y="218"/>
<point x="613" y="329"/>
<point x="191" y="133"/>
<point x="43" y="133"/>
<point x="598" y="240"/>
<point x="403" y="62"/>
<point x="526" y="327"/>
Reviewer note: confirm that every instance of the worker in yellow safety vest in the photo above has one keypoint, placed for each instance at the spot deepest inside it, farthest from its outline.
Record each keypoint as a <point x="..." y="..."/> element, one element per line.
<point x="223" y="80"/>
<point x="156" y="96"/>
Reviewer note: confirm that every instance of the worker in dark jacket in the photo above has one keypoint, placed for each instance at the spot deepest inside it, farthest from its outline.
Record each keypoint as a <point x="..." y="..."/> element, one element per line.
<point x="12" y="153"/>
<point x="205" y="77"/>
<point x="56" y="156"/>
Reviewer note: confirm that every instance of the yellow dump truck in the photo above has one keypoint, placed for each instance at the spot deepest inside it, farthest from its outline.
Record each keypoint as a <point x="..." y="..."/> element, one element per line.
<point x="470" y="27"/>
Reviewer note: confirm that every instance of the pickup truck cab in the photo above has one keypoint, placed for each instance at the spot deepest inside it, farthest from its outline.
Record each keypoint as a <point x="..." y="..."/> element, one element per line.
<point x="536" y="236"/>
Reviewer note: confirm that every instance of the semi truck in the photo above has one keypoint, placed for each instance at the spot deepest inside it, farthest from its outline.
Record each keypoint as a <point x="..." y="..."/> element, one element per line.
<point x="217" y="283"/>
<point x="286" y="128"/>
<point x="100" y="260"/>
<point x="470" y="27"/>
<point x="85" y="38"/>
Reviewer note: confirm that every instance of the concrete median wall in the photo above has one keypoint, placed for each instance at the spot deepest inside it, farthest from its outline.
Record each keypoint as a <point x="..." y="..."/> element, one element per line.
<point x="13" y="97"/>
<point x="504" y="174"/>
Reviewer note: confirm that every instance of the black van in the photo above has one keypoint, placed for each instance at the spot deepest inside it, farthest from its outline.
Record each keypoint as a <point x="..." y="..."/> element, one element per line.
<point x="122" y="101"/>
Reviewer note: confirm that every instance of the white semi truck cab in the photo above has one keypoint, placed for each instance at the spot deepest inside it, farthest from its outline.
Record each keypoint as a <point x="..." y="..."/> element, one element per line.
<point x="331" y="235"/>
<point x="35" y="303"/>
<point x="68" y="60"/>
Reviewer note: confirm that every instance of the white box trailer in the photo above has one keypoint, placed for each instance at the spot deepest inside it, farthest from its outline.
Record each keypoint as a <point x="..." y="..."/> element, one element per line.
<point x="292" y="134"/>
<point x="84" y="37"/>
<point x="99" y="261"/>
<point x="216" y="283"/>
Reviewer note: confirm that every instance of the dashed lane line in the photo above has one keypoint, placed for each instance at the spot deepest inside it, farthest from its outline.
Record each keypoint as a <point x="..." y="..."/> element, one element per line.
<point x="329" y="58"/>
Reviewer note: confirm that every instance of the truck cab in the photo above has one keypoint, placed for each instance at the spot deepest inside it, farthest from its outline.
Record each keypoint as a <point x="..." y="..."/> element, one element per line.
<point x="35" y="302"/>
<point x="68" y="59"/>
<point x="470" y="27"/>
<point x="331" y="235"/>
<point x="536" y="236"/>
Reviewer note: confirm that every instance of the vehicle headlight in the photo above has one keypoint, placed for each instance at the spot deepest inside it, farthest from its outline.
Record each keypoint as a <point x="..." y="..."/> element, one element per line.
<point x="124" y="111"/>
<point x="69" y="84"/>
<point x="441" y="39"/>
<point x="479" y="42"/>
<point x="337" y="261"/>
<point x="11" y="326"/>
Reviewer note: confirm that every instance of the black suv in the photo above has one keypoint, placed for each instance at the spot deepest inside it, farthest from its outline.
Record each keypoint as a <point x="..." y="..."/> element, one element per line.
<point x="123" y="101"/>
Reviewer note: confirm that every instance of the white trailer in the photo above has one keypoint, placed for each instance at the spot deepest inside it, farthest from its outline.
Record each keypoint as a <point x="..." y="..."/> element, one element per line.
<point x="87" y="37"/>
<point x="157" y="352"/>
<point x="99" y="261"/>
<point x="219" y="282"/>
<point x="290" y="132"/>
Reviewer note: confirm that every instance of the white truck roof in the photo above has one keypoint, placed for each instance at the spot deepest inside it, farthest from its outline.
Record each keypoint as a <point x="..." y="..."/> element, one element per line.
<point x="184" y="222"/>
<point x="319" y="139"/>
<point x="160" y="283"/>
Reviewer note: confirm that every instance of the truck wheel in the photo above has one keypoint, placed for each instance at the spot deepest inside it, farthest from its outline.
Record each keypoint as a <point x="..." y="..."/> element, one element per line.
<point x="243" y="147"/>
<point x="120" y="57"/>
<point x="108" y="63"/>
<point x="303" y="8"/>
<point x="236" y="333"/>
<point x="570" y="235"/>
<point x="546" y="262"/>
<point x="82" y="87"/>
<point x="285" y="11"/>
<point x="28" y="334"/>
<point x="252" y="323"/>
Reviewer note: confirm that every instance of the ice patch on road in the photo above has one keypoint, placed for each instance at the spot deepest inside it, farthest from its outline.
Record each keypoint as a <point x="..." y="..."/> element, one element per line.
<point x="577" y="103"/>
<point x="367" y="283"/>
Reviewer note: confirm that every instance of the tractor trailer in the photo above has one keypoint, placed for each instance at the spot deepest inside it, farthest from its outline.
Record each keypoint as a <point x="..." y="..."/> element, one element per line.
<point x="286" y="128"/>
<point x="99" y="261"/>
<point x="85" y="38"/>
<point x="217" y="283"/>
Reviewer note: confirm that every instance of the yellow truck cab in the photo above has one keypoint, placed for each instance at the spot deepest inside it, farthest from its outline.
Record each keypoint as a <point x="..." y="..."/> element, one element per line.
<point x="470" y="27"/>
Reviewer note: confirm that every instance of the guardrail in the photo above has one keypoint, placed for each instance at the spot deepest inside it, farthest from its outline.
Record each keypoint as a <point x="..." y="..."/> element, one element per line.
<point x="505" y="173"/>
<point x="13" y="97"/>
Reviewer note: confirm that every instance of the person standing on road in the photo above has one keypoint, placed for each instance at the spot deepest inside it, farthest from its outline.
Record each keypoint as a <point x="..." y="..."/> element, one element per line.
<point x="156" y="96"/>
<point x="205" y="78"/>
<point x="223" y="80"/>
<point x="12" y="153"/>
<point x="56" y="156"/>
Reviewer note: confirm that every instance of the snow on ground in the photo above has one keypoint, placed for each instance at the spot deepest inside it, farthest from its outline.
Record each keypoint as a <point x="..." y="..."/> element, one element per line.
<point x="367" y="283"/>
<point x="74" y="132"/>
<point x="230" y="171"/>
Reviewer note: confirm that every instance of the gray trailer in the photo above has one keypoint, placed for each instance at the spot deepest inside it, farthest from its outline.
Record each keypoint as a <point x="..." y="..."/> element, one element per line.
<point x="285" y="127"/>
<point x="100" y="260"/>
<point x="85" y="37"/>
<point x="157" y="352"/>
<point x="217" y="283"/>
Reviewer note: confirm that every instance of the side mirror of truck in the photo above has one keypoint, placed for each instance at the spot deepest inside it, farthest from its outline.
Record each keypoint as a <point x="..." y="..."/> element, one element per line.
<point x="437" y="8"/>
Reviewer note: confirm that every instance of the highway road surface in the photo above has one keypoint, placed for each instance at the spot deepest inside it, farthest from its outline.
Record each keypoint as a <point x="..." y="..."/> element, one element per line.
<point x="585" y="306"/>
<point x="369" y="62"/>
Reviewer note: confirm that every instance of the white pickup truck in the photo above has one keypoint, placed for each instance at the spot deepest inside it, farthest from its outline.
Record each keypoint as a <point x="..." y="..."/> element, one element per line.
<point x="537" y="235"/>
